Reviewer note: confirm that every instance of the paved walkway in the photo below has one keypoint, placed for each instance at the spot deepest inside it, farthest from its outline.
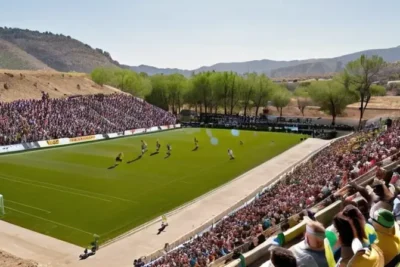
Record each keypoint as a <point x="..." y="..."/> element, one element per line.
<point x="43" y="249"/>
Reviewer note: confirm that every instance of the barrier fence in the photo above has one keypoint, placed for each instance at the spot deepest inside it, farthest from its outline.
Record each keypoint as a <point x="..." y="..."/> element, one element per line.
<point x="82" y="139"/>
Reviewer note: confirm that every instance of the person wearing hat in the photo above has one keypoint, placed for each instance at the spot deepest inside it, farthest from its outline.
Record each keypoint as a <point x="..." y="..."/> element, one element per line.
<point x="388" y="235"/>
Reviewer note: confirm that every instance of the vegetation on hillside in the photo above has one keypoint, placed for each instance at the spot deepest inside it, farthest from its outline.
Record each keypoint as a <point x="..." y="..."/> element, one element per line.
<point x="230" y="92"/>
<point x="56" y="51"/>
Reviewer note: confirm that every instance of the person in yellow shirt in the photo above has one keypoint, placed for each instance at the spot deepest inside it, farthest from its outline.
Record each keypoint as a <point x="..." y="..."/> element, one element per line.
<point x="388" y="235"/>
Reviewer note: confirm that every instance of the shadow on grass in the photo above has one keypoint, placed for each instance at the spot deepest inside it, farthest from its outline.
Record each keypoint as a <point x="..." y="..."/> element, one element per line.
<point x="112" y="167"/>
<point x="154" y="153"/>
<point x="132" y="161"/>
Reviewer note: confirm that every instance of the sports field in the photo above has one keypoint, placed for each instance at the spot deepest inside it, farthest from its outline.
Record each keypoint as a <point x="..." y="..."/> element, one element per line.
<point x="72" y="192"/>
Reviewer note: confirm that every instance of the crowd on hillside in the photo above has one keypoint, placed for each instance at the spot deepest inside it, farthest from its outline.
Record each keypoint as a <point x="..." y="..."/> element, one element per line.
<point x="35" y="120"/>
<point x="308" y="184"/>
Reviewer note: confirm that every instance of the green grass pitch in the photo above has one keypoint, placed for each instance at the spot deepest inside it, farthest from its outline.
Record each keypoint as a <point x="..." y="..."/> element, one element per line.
<point x="70" y="193"/>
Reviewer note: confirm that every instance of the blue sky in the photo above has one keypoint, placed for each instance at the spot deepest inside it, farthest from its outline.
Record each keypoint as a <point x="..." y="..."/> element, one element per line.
<point x="190" y="34"/>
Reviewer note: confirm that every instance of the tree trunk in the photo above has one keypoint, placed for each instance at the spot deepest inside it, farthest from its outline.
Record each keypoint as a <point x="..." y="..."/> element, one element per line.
<point x="361" y="111"/>
<point x="225" y="99"/>
<point x="333" y="119"/>
<point x="281" y="111"/>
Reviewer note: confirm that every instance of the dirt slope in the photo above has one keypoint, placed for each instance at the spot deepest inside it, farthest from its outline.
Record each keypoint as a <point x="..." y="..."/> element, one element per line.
<point x="30" y="84"/>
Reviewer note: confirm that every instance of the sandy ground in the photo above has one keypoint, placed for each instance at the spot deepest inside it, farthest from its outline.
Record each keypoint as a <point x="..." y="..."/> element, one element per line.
<point x="8" y="260"/>
<point x="30" y="84"/>
<point x="48" y="251"/>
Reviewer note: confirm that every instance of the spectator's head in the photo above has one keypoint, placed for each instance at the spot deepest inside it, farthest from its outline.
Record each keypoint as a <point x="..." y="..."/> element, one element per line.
<point x="315" y="234"/>
<point x="354" y="214"/>
<point x="383" y="218"/>
<point x="282" y="257"/>
<point x="344" y="229"/>
<point x="381" y="190"/>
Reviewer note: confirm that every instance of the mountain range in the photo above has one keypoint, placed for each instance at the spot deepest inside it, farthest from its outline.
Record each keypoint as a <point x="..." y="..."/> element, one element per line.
<point x="26" y="49"/>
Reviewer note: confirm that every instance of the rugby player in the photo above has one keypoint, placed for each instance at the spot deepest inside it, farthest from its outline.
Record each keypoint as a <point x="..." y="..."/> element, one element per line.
<point x="119" y="158"/>
<point x="230" y="154"/>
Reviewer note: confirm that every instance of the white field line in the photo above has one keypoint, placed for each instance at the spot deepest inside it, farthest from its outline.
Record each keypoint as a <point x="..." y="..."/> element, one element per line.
<point x="60" y="190"/>
<point x="67" y="188"/>
<point x="57" y="223"/>
<point x="15" y="202"/>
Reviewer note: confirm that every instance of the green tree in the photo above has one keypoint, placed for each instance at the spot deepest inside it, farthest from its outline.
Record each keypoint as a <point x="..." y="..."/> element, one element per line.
<point x="175" y="84"/>
<point x="248" y="91"/>
<point x="359" y="77"/>
<point x="303" y="98"/>
<point x="263" y="90"/>
<point x="280" y="98"/>
<point x="158" y="95"/>
<point x="235" y="87"/>
<point x="331" y="96"/>
<point x="202" y="89"/>
<point x="101" y="76"/>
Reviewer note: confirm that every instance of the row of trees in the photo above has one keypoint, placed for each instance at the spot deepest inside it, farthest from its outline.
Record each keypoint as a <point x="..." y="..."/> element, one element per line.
<point x="229" y="92"/>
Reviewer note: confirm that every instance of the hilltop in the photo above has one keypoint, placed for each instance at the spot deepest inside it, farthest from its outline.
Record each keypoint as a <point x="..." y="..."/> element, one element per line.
<point x="281" y="69"/>
<point x="33" y="50"/>
<point x="25" y="49"/>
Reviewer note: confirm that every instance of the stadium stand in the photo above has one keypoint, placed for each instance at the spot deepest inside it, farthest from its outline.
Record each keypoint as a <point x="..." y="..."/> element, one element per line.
<point x="329" y="175"/>
<point x="35" y="120"/>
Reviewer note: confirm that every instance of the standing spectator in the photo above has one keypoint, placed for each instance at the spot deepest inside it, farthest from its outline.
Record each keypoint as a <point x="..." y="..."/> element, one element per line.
<point x="388" y="236"/>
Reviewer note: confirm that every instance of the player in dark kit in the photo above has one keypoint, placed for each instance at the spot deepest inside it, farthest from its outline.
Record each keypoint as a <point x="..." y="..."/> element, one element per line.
<point x="119" y="158"/>
<point x="169" y="149"/>
<point x="158" y="146"/>
<point x="144" y="147"/>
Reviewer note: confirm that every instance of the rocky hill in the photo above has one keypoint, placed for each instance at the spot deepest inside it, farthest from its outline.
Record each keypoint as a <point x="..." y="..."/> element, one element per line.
<point x="25" y="49"/>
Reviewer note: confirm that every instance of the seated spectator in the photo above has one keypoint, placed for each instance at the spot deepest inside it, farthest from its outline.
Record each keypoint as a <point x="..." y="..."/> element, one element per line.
<point x="310" y="252"/>
<point x="281" y="257"/>
<point x="388" y="236"/>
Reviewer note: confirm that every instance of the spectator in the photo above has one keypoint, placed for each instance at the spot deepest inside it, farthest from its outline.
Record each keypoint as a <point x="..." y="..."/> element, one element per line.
<point x="384" y="197"/>
<point x="308" y="184"/>
<point x="311" y="251"/>
<point x="388" y="235"/>
<point x="281" y="257"/>
<point x="352" y="251"/>
<point x="36" y="120"/>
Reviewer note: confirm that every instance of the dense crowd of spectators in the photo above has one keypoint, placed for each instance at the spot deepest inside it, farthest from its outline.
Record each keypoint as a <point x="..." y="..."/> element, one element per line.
<point x="364" y="233"/>
<point x="35" y="120"/>
<point x="313" y="181"/>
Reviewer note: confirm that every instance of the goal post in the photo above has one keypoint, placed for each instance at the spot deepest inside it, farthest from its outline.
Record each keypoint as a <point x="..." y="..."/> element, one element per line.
<point x="1" y="205"/>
